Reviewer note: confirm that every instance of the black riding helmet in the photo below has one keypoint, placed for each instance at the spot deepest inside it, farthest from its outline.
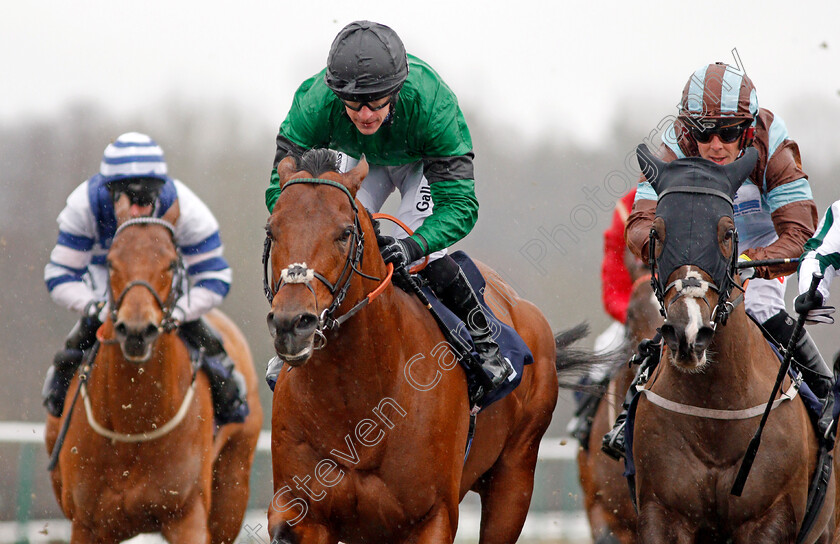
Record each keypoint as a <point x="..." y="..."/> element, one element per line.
<point x="367" y="61"/>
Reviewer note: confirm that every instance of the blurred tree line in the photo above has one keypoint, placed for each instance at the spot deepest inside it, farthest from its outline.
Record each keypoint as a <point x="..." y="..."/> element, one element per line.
<point x="544" y="206"/>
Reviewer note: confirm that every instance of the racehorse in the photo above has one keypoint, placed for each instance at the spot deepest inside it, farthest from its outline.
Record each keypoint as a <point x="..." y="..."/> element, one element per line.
<point x="370" y="424"/>
<point x="611" y="514"/>
<point x="142" y="452"/>
<point x="702" y="405"/>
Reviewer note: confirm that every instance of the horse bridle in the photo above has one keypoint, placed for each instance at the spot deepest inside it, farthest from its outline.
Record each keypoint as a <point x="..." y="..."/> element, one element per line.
<point x="724" y="306"/>
<point x="179" y="274"/>
<point x="300" y="273"/>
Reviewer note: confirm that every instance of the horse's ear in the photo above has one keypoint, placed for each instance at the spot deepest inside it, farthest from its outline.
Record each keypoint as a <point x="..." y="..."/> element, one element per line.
<point x="650" y="165"/>
<point x="353" y="179"/>
<point x="173" y="213"/>
<point x="122" y="209"/>
<point x="739" y="171"/>
<point x="286" y="168"/>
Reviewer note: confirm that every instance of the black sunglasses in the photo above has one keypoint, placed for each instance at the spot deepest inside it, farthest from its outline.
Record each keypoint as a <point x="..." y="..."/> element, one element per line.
<point x="142" y="197"/>
<point x="139" y="193"/>
<point x="727" y="134"/>
<point x="357" y="106"/>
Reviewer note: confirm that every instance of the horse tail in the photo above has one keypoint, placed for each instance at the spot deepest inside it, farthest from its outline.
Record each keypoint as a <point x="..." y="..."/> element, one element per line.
<point x="574" y="363"/>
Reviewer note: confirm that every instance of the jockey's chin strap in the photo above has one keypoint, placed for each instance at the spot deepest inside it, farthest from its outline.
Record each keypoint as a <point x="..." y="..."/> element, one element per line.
<point x="178" y="276"/>
<point x="300" y="273"/>
<point x="696" y="287"/>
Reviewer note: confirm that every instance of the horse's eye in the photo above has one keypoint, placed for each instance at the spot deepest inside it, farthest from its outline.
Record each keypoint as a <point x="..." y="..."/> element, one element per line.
<point x="345" y="235"/>
<point x="729" y="234"/>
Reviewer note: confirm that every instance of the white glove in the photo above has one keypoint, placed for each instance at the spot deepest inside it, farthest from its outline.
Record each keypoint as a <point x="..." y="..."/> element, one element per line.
<point x="745" y="273"/>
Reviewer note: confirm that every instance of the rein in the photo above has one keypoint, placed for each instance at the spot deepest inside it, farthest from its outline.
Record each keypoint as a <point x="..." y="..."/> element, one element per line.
<point x="300" y="273"/>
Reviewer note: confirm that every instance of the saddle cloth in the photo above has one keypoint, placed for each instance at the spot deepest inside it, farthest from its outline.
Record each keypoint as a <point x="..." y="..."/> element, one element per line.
<point x="510" y="343"/>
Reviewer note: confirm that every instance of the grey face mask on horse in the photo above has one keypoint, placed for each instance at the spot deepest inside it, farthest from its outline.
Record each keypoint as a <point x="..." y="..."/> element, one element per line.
<point x="694" y="195"/>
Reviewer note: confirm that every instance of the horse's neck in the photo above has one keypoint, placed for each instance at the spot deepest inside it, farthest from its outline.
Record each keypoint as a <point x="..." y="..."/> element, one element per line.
<point x="734" y="342"/>
<point x="153" y="389"/>
<point x="363" y="362"/>
<point x="740" y="359"/>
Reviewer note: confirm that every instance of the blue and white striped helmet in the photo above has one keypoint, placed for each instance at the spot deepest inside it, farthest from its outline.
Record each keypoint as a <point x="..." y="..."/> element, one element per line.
<point x="132" y="155"/>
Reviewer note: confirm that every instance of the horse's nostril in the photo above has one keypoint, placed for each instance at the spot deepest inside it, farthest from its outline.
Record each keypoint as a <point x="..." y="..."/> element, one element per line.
<point x="151" y="331"/>
<point x="121" y="329"/>
<point x="306" y="323"/>
<point x="272" y="324"/>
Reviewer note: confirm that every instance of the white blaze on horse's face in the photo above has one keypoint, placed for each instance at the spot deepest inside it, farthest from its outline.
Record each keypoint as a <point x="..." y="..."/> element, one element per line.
<point x="688" y="330"/>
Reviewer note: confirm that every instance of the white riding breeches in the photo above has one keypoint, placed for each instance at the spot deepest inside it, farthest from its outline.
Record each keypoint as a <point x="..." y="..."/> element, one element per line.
<point x="415" y="196"/>
<point x="765" y="298"/>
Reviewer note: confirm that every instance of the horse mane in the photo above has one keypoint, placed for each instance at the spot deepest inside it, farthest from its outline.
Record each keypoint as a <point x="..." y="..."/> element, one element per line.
<point x="317" y="161"/>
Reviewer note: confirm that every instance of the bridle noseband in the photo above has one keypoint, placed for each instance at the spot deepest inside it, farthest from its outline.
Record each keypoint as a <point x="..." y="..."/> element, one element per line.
<point x="300" y="273"/>
<point x="179" y="274"/>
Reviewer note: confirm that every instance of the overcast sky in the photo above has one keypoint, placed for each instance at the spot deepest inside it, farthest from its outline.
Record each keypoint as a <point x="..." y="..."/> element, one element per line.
<point x="536" y="66"/>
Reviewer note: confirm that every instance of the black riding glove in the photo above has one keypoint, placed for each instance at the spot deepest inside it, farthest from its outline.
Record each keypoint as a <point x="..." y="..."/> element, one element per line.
<point x="812" y="308"/>
<point x="399" y="251"/>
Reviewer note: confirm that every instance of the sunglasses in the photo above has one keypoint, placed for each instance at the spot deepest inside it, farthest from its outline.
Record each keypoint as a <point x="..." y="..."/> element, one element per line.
<point x="139" y="194"/>
<point x="142" y="198"/>
<point x="357" y="106"/>
<point x="727" y="134"/>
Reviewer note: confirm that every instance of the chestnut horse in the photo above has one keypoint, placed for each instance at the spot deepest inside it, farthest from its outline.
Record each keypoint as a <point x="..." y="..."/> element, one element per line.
<point x="142" y="453"/>
<point x="370" y="424"/>
<point x="611" y="514"/>
<point x="703" y="404"/>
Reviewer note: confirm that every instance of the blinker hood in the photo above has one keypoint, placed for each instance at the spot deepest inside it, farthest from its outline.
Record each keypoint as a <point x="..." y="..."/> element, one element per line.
<point x="693" y="195"/>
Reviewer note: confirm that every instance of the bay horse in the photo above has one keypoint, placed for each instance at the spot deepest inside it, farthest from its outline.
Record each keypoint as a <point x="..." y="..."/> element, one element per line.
<point x="370" y="424"/>
<point x="609" y="509"/>
<point x="142" y="452"/>
<point x="703" y="403"/>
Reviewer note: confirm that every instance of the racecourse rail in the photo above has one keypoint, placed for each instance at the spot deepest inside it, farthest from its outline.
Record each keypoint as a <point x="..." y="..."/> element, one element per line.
<point x="566" y="522"/>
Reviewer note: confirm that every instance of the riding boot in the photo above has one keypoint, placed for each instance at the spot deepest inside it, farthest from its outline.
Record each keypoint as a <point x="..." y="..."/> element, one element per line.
<point x="580" y="426"/>
<point x="66" y="362"/>
<point x="613" y="443"/>
<point x="227" y="385"/>
<point x="815" y="371"/>
<point x="459" y="297"/>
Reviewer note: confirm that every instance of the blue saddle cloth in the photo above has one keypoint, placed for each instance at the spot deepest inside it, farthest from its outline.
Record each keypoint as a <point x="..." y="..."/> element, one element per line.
<point x="812" y="404"/>
<point x="510" y="343"/>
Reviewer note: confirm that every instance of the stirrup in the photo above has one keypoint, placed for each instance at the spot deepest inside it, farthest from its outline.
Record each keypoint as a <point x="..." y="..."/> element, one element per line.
<point x="508" y="373"/>
<point x="234" y="407"/>
<point x="613" y="442"/>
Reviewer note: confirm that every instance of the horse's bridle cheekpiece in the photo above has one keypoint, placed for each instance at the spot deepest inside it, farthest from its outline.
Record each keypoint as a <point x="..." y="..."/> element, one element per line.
<point x="698" y="192"/>
<point x="299" y="273"/>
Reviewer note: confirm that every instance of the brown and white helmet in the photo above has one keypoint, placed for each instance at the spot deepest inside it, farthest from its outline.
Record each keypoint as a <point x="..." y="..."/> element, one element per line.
<point x="717" y="93"/>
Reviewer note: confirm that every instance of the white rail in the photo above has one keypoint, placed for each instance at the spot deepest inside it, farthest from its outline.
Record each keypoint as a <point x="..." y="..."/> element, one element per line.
<point x="551" y="449"/>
